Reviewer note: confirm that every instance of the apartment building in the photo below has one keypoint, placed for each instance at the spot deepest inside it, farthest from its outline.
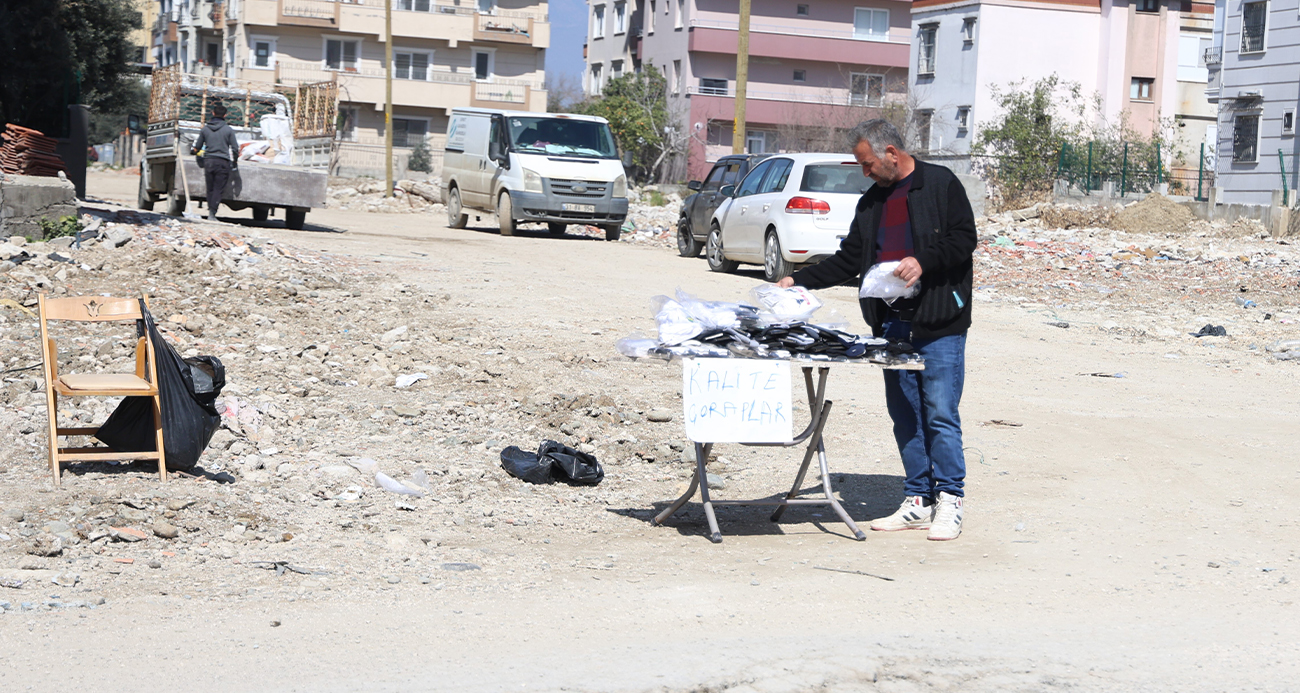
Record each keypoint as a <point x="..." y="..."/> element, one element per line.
<point x="446" y="54"/>
<point x="1140" y="57"/>
<point x="613" y="45"/>
<point x="1253" y="83"/>
<point x="813" y="65"/>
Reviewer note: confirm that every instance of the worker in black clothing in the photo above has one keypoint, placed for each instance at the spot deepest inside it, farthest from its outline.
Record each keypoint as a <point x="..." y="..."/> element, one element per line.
<point x="220" y="151"/>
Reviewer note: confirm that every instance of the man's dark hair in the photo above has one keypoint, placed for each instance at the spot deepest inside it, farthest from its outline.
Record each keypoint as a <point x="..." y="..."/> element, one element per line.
<point x="219" y="111"/>
<point x="878" y="133"/>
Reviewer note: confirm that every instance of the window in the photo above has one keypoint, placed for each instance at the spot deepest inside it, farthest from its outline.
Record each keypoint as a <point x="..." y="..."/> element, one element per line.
<point x="756" y="142"/>
<point x="598" y="22"/>
<point x="963" y="118"/>
<point x="1254" y="16"/>
<point x="870" y="24"/>
<point x="923" y="120"/>
<point x="213" y="53"/>
<point x="347" y="123"/>
<point x="801" y="75"/>
<point x="616" y="69"/>
<point x="620" y="17"/>
<point x="595" y="79"/>
<point x="1288" y="121"/>
<point x="749" y="186"/>
<point x="714" y="181"/>
<point x="408" y="132"/>
<point x="681" y="14"/>
<point x="676" y="77"/>
<point x="777" y="177"/>
<point x="1140" y="88"/>
<point x="408" y="65"/>
<point x="968" y="31"/>
<point x="341" y="55"/>
<point x="416" y="5"/>
<point x="1245" y="138"/>
<point x="801" y="10"/>
<point x="487" y="6"/>
<point x="925" y="49"/>
<point x="865" y="89"/>
<point x="650" y="28"/>
<point x="263" y="53"/>
<point x="483" y="60"/>
<point x="1147" y="5"/>
<point x="713" y="86"/>
<point x="1191" y="57"/>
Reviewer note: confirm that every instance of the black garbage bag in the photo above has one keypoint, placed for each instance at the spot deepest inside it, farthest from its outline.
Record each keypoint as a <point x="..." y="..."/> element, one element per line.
<point x="526" y="465"/>
<point x="187" y="392"/>
<point x="552" y="461"/>
<point x="573" y="466"/>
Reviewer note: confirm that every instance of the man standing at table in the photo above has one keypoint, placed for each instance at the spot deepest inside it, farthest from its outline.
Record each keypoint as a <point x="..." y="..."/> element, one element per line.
<point x="916" y="214"/>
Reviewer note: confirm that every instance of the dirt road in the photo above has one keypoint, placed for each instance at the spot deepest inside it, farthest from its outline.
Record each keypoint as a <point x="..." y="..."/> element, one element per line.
<point x="1132" y="533"/>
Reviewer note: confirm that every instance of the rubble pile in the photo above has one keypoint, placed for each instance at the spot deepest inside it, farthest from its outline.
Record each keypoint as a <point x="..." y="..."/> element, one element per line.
<point x="1148" y="286"/>
<point x="367" y="195"/>
<point x="327" y="363"/>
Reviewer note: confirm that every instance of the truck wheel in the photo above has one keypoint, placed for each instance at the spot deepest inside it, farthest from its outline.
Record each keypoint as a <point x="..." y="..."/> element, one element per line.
<point x="456" y="216"/>
<point x="294" y="219"/>
<point x="613" y="231"/>
<point x="143" y="200"/>
<point x="261" y="213"/>
<point x="775" y="266"/>
<point x="718" y="262"/>
<point x="176" y="203"/>
<point x="505" y="221"/>
<point x="556" y="227"/>
<point x="687" y="246"/>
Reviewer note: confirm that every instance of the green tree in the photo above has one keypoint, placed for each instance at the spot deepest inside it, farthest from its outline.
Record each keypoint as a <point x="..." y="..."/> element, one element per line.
<point x="1018" y="149"/>
<point x="59" y="52"/>
<point x="420" y="160"/>
<point x="636" y="106"/>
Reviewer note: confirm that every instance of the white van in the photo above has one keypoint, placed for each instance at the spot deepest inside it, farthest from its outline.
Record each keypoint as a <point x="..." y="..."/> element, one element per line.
<point x="556" y="168"/>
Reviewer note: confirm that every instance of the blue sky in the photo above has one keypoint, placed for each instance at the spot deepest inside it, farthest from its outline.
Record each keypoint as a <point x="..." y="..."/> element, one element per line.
<point x="568" y="31"/>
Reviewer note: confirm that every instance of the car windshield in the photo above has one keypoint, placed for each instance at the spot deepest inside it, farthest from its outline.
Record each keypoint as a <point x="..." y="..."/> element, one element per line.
<point x="834" y="178"/>
<point x="562" y="136"/>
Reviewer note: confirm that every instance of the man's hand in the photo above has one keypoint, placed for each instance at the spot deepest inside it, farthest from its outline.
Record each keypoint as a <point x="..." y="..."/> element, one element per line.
<point x="786" y="282"/>
<point x="908" y="270"/>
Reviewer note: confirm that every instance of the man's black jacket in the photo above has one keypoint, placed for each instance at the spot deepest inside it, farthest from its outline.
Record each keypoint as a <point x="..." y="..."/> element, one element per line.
<point x="943" y="240"/>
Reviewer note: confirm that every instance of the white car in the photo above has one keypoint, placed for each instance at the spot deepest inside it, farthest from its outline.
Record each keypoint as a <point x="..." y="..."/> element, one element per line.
<point x="792" y="209"/>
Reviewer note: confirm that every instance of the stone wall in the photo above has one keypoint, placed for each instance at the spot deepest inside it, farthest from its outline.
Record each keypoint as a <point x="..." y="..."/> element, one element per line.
<point x="26" y="200"/>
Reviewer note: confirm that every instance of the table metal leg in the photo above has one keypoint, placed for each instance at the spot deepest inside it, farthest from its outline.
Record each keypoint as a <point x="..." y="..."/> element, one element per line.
<point x="830" y="497"/>
<point x="699" y="478"/>
<point x="814" y="444"/>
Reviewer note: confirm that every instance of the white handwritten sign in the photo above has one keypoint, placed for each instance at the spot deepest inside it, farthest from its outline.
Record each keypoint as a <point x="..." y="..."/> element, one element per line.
<point x="737" y="400"/>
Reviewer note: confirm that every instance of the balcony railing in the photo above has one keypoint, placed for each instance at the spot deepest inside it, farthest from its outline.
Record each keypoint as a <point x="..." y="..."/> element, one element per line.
<point x="792" y="31"/>
<point x="829" y="99"/>
<point x="309" y="9"/>
<point x="437" y="8"/>
<point x="317" y="72"/>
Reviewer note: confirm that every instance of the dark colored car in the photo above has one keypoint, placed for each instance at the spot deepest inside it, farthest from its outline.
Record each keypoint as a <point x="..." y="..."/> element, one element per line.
<point x="697" y="210"/>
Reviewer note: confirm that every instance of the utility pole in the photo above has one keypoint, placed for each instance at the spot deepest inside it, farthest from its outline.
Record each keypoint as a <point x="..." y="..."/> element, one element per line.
<point x="388" y="97"/>
<point x="742" y="80"/>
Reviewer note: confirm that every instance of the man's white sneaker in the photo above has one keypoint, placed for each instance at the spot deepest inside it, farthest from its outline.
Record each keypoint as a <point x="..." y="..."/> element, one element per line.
<point x="912" y="514"/>
<point x="947" y="518"/>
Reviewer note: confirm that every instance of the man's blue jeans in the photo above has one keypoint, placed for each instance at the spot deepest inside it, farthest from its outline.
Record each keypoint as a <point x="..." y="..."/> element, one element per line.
<point x="923" y="405"/>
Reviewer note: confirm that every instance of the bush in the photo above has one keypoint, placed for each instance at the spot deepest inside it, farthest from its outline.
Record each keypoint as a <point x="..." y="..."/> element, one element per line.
<point x="654" y="198"/>
<point x="421" y="159"/>
<point x="65" y="226"/>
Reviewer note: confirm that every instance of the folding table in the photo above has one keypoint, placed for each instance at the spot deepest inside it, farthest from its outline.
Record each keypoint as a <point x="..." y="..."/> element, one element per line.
<point x="820" y="409"/>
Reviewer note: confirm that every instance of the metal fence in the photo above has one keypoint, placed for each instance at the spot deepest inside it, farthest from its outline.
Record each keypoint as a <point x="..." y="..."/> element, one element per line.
<point x="1132" y="168"/>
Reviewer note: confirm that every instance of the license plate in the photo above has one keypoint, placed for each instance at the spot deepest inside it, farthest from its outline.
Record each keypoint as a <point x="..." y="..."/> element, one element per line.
<point x="577" y="208"/>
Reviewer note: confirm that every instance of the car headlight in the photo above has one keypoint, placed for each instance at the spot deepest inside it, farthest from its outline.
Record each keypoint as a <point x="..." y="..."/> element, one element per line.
<point x="532" y="181"/>
<point x="620" y="186"/>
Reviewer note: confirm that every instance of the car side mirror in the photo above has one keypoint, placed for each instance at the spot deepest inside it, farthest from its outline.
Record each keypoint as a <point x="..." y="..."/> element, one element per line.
<point x="727" y="191"/>
<point x="694" y="185"/>
<point x="497" y="153"/>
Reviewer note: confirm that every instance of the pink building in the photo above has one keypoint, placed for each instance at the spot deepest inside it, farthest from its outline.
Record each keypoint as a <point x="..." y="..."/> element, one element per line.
<point x="815" y="66"/>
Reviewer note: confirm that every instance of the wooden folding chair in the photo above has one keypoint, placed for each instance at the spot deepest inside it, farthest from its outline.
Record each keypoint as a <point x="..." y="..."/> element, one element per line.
<point x="143" y="383"/>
